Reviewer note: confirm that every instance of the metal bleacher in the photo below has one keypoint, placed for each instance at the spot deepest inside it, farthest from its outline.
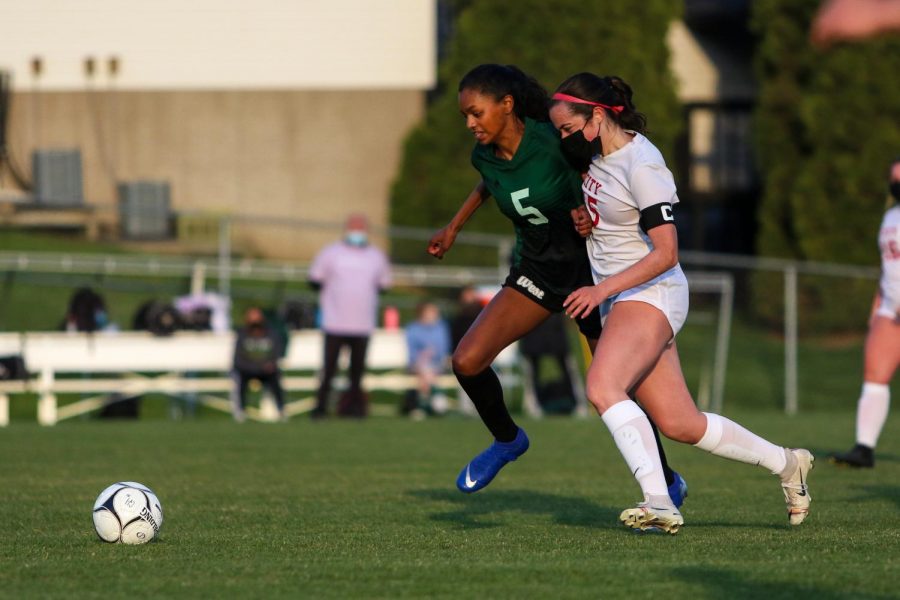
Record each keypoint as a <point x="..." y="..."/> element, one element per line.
<point x="125" y="364"/>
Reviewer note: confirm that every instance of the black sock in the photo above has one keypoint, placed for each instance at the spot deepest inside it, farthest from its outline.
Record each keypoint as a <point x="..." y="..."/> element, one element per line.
<point x="667" y="470"/>
<point x="487" y="395"/>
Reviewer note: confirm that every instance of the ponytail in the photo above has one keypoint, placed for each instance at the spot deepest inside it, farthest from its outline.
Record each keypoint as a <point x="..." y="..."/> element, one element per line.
<point x="893" y="198"/>
<point x="609" y="91"/>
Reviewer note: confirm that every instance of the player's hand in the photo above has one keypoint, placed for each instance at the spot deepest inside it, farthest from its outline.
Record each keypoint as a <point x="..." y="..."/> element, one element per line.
<point x="441" y="242"/>
<point x="582" y="301"/>
<point x="840" y="20"/>
<point x="582" y="220"/>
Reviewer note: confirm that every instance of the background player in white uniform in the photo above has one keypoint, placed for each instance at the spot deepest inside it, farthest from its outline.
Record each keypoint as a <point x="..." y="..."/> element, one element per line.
<point x="643" y="297"/>
<point x="882" y="353"/>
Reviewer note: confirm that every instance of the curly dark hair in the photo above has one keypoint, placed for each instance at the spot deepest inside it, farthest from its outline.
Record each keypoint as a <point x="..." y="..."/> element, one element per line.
<point x="529" y="97"/>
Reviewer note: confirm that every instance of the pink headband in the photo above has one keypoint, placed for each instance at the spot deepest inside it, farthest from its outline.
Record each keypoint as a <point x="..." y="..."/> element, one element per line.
<point x="574" y="100"/>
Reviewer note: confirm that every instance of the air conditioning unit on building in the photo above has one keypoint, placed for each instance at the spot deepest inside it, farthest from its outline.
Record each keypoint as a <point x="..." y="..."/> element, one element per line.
<point x="57" y="177"/>
<point x="144" y="210"/>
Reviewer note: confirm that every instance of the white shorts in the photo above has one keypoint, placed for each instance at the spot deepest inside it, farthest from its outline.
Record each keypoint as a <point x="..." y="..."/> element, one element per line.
<point x="888" y="308"/>
<point x="667" y="292"/>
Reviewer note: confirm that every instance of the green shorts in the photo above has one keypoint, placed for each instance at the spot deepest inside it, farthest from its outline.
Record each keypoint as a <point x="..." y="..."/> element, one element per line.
<point x="535" y="289"/>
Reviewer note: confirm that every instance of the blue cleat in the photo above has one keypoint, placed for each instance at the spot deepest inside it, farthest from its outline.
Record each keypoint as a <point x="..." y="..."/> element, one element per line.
<point x="678" y="491"/>
<point x="483" y="468"/>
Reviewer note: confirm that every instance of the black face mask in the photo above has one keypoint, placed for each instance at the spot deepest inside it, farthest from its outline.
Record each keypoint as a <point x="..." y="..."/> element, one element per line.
<point x="578" y="151"/>
<point x="895" y="190"/>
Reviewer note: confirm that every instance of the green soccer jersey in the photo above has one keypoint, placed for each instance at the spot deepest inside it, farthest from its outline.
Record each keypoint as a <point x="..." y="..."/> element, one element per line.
<point x="536" y="190"/>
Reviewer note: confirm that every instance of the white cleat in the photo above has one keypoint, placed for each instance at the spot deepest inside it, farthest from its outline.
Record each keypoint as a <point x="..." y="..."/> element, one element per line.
<point x="646" y="517"/>
<point x="796" y="490"/>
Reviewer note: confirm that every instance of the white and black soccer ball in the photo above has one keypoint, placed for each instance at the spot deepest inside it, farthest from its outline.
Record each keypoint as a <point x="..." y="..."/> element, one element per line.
<point x="127" y="512"/>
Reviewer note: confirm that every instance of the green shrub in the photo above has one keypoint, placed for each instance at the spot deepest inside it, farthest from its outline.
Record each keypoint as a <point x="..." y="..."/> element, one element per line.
<point x="826" y="128"/>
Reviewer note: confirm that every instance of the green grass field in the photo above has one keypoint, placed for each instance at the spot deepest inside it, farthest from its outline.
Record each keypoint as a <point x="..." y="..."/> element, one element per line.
<point x="349" y="509"/>
<point x="369" y="509"/>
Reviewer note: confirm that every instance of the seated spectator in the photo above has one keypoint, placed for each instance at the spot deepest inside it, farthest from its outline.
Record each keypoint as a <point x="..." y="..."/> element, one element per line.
<point x="428" y="344"/>
<point x="87" y="312"/>
<point x="256" y="353"/>
<point x="205" y="311"/>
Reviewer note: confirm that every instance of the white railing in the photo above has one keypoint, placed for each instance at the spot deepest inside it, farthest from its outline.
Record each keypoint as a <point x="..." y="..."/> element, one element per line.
<point x="258" y="270"/>
<point x="790" y="269"/>
<point x="225" y="268"/>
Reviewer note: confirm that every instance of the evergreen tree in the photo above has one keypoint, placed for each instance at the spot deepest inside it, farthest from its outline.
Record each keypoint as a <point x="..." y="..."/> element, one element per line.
<point x="550" y="41"/>
<point x="827" y="125"/>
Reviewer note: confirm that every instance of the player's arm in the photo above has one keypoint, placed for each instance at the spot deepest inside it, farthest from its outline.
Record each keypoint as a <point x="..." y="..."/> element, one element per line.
<point x="660" y="259"/>
<point x="442" y="241"/>
<point x="319" y="269"/>
<point x="663" y="257"/>
<point x="848" y="20"/>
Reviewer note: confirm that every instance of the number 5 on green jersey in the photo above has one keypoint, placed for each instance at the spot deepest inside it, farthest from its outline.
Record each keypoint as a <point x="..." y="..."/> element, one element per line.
<point x="537" y="217"/>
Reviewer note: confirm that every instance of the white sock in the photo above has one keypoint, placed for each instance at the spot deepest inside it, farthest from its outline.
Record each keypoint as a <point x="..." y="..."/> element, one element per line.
<point x="727" y="439"/>
<point x="631" y="431"/>
<point x="872" y="412"/>
<point x="234" y="395"/>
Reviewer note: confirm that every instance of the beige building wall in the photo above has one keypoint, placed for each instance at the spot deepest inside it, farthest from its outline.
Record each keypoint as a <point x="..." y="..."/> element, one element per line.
<point x="279" y="109"/>
<point x="313" y="155"/>
<point x="220" y="44"/>
<point x="707" y="70"/>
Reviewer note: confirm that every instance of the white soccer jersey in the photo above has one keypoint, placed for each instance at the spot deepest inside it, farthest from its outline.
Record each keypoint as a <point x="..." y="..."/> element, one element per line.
<point x="617" y="188"/>
<point x="889" y="244"/>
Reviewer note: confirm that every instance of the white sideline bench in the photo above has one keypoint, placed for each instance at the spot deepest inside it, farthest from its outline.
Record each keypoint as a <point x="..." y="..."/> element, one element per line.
<point x="184" y="363"/>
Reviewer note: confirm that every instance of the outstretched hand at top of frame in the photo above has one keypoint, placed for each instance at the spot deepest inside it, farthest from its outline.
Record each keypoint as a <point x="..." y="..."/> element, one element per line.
<point x="851" y="20"/>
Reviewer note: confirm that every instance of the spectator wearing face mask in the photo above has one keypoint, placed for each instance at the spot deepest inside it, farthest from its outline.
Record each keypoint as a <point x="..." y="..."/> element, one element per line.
<point x="349" y="275"/>
<point x="256" y="353"/>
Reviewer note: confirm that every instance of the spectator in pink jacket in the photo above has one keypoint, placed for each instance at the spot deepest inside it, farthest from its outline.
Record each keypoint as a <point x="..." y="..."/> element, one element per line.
<point x="349" y="275"/>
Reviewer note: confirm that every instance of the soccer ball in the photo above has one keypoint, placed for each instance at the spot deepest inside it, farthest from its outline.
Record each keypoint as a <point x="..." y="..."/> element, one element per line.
<point x="127" y="512"/>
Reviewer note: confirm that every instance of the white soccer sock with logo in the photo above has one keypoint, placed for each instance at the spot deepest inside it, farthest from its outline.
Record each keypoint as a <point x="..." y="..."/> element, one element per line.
<point x="727" y="439"/>
<point x="872" y="412"/>
<point x="631" y="431"/>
